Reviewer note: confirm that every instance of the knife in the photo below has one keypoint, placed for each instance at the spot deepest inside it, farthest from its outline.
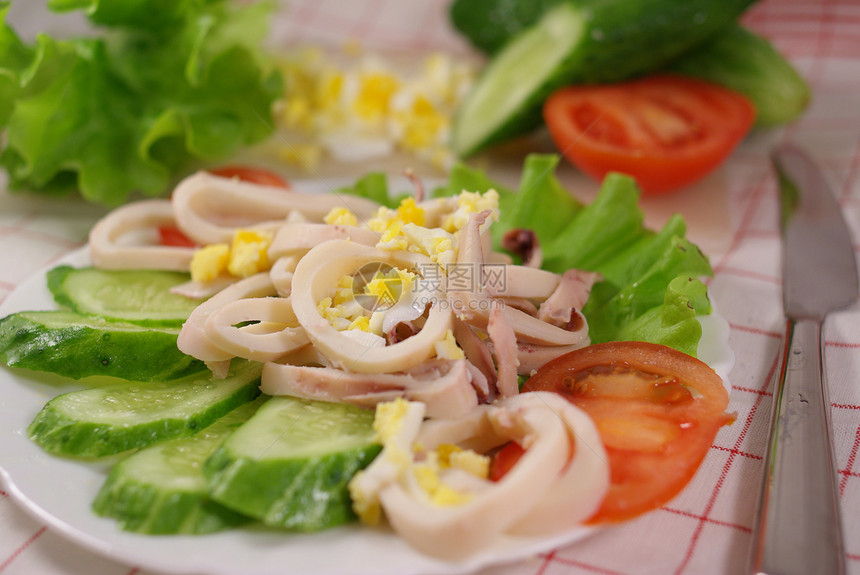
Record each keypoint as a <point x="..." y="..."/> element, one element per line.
<point x="798" y="526"/>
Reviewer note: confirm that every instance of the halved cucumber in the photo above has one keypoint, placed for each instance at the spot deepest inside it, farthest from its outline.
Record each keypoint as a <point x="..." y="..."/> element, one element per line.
<point x="289" y="465"/>
<point x="76" y="346"/>
<point x="161" y="489"/>
<point x="580" y="41"/>
<point x="119" y="417"/>
<point x="135" y="296"/>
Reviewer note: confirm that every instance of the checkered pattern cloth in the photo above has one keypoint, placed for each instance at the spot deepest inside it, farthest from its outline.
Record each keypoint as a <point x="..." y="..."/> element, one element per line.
<point x="707" y="528"/>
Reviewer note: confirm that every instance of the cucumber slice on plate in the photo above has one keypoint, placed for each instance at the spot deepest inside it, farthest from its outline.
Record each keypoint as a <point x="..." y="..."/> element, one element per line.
<point x="76" y="346"/>
<point x="161" y="490"/>
<point x="580" y="41"/>
<point x="289" y="465"/>
<point x="118" y="417"/>
<point x="141" y="297"/>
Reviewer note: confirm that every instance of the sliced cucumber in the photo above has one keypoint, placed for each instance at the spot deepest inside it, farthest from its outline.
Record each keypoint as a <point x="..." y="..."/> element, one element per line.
<point x="161" y="490"/>
<point x="77" y="346"/>
<point x="289" y="465"/>
<point x="136" y="296"/>
<point x="118" y="417"/>
<point x="580" y="41"/>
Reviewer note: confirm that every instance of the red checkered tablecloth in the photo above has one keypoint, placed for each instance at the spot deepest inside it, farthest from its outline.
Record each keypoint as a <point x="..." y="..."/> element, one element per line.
<point x="706" y="529"/>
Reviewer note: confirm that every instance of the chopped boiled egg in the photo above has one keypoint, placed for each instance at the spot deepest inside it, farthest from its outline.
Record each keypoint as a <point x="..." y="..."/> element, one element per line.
<point x="448" y="348"/>
<point x="356" y="106"/>
<point x="339" y="216"/>
<point x="249" y="253"/>
<point x="209" y="262"/>
<point x="245" y="256"/>
<point x="403" y="461"/>
<point x="471" y="203"/>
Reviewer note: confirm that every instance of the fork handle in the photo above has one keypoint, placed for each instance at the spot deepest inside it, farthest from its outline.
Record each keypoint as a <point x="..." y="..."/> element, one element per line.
<point x="798" y="527"/>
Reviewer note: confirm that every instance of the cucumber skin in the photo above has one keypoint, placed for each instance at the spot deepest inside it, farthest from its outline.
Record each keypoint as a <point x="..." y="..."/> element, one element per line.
<point x="177" y="513"/>
<point x="59" y="434"/>
<point x="58" y="277"/>
<point x="489" y="25"/>
<point x="621" y="39"/>
<point x="143" y="506"/>
<point x="86" y="347"/>
<point x="747" y="63"/>
<point x="265" y="490"/>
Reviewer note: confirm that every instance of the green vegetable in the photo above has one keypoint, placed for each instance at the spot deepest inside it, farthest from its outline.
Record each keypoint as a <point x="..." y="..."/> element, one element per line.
<point x="161" y="489"/>
<point x="611" y="222"/>
<point x="167" y="83"/>
<point x="372" y="186"/>
<point x="490" y="24"/>
<point x="118" y="417"/>
<point x="289" y="465"/>
<point x="77" y="346"/>
<point x="749" y="64"/>
<point x="141" y="297"/>
<point x="580" y="41"/>
<point x="637" y="298"/>
<point x="674" y="322"/>
<point x="541" y="200"/>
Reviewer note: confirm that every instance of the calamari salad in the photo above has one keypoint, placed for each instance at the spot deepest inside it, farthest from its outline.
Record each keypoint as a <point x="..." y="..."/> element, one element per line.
<point x="435" y="315"/>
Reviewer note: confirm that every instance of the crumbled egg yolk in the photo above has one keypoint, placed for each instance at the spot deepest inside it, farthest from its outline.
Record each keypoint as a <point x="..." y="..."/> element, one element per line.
<point x="448" y="348"/>
<point x="343" y="312"/>
<point x="388" y="418"/>
<point x="340" y="217"/>
<point x="245" y="256"/>
<point x="390" y="285"/>
<point x="425" y="473"/>
<point x="209" y="262"/>
<point x="471" y="203"/>
<point x="249" y="253"/>
<point x="335" y="102"/>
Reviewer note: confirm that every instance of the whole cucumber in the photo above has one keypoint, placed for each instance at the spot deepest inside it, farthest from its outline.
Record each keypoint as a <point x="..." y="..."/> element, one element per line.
<point x="747" y="63"/>
<point x="581" y="41"/>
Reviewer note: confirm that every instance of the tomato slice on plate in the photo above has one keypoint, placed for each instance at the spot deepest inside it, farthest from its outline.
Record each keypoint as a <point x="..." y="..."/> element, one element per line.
<point x="251" y="174"/>
<point x="657" y="411"/>
<point x="665" y="131"/>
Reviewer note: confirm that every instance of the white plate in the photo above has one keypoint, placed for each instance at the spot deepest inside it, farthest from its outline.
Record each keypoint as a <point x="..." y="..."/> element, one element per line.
<point x="59" y="492"/>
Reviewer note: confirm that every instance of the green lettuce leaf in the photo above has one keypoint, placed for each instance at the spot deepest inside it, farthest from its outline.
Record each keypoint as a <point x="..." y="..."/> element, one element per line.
<point x="373" y="186"/>
<point x="464" y="177"/>
<point x="604" y="227"/>
<point x="674" y="322"/>
<point x="641" y="296"/>
<point x="128" y="112"/>
<point x="541" y="203"/>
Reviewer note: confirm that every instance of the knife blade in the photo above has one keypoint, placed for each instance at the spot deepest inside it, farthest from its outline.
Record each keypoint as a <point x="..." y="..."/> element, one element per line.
<point x="798" y="525"/>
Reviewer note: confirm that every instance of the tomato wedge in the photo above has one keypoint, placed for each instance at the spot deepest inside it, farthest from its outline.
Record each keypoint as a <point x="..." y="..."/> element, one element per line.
<point x="251" y="174"/>
<point x="657" y="411"/>
<point x="173" y="237"/>
<point x="665" y="131"/>
<point x="505" y="459"/>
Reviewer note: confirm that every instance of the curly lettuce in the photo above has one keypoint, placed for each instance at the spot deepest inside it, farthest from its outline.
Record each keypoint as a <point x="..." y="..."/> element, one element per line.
<point x="650" y="288"/>
<point x="168" y="84"/>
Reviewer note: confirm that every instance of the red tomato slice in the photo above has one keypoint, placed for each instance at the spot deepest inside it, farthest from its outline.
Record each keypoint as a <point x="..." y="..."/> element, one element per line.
<point x="665" y="131"/>
<point x="505" y="459"/>
<point x="171" y="236"/>
<point x="657" y="411"/>
<point x="251" y="174"/>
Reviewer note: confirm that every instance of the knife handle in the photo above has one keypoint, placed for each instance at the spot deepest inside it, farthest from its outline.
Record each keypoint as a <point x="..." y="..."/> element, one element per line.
<point x="798" y="528"/>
